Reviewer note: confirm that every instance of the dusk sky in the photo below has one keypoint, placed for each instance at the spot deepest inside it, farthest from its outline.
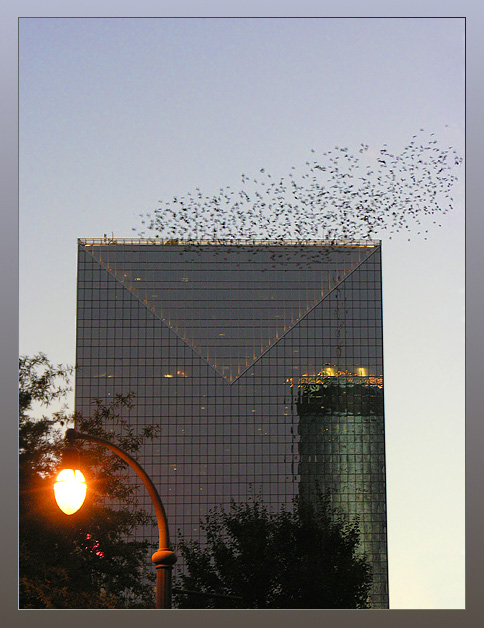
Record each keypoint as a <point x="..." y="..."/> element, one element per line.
<point x="116" y="114"/>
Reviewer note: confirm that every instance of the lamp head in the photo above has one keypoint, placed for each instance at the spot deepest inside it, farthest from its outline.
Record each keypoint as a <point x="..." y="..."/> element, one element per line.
<point x="70" y="486"/>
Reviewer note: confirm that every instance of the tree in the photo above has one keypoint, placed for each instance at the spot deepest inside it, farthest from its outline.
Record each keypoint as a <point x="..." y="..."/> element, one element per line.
<point x="85" y="560"/>
<point x="304" y="558"/>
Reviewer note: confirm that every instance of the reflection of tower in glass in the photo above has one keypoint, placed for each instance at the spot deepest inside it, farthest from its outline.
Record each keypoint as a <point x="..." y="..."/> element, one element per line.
<point x="341" y="449"/>
<point x="207" y="335"/>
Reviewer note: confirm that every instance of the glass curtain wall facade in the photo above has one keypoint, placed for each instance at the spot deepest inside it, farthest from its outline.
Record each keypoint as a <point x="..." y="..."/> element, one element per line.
<point x="262" y="364"/>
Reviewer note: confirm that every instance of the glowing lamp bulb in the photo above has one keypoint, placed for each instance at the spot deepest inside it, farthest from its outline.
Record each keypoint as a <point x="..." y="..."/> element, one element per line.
<point x="70" y="490"/>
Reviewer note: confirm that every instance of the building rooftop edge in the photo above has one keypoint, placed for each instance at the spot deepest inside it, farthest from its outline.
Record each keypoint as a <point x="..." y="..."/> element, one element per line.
<point x="112" y="241"/>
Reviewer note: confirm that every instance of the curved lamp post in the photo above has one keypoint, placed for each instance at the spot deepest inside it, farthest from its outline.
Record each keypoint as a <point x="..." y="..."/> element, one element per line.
<point x="70" y="491"/>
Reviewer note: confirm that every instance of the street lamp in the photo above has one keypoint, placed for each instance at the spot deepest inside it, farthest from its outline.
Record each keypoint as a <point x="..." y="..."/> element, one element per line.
<point x="70" y="491"/>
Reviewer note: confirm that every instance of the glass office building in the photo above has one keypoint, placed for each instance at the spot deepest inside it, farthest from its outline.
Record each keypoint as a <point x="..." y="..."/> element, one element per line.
<point x="261" y="362"/>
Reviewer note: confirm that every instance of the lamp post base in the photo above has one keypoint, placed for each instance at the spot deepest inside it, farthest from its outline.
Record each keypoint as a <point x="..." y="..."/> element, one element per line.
<point x="164" y="560"/>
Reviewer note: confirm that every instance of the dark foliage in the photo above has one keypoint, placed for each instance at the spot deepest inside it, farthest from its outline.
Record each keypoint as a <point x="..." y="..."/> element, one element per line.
<point x="306" y="558"/>
<point x="85" y="560"/>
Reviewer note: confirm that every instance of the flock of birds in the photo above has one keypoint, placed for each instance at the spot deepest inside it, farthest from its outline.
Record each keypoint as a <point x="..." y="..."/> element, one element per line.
<point x="338" y="195"/>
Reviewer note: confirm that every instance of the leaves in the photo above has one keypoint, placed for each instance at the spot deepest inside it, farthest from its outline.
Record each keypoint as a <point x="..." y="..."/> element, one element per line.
<point x="89" y="559"/>
<point x="41" y="381"/>
<point x="303" y="558"/>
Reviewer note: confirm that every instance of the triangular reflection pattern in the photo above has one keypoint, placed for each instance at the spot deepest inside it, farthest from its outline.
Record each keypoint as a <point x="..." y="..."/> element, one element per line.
<point x="221" y="300"/>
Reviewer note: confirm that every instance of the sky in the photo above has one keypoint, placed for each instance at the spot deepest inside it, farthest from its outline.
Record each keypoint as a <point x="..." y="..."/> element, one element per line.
<point x="117" y="114"/>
